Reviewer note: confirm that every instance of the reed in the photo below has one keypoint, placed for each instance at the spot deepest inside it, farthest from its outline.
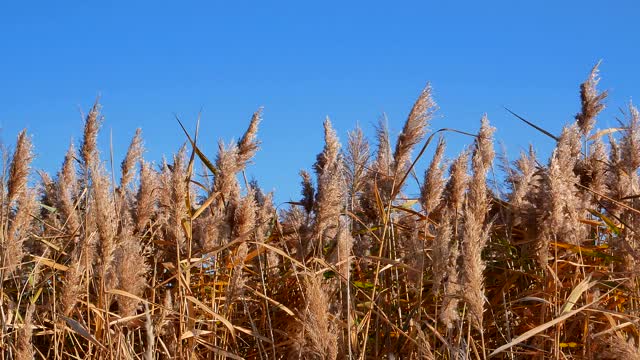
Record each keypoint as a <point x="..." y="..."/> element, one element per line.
<point x="534" y="259"/>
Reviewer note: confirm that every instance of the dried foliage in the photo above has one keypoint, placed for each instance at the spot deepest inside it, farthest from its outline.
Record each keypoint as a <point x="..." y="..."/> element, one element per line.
<point x="166" y="264"/>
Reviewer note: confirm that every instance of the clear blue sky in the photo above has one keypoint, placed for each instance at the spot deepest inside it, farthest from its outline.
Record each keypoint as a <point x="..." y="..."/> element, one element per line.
<point x="302" y="61"/>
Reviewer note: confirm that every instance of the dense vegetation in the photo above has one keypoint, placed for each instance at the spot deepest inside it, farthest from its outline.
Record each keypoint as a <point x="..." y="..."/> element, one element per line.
<point x="187" y="259"/>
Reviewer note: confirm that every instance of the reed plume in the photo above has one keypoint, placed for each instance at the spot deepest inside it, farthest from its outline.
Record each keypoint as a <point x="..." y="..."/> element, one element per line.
<point x="132" y="269"/>
<point x="414" y="129"/>
<point x="248" y="144"/>
<point x="67" y="186"/>
<point x="434" y="182"/>
<point x="356" y="160"/>
<point x="563" y="211"/>
<point x="147" y="197"/>
<point x="23" y="200"/>
<point x="318" y="338"/>
<point x="542" y="265"/>
<point x="475" y="233"/>
<point x="105" y="221"/>
<point x="133" y="156"/>
<point x="592" y="102"/>
<point x="446" y="246"/>
<point x="245" y="224"/>
<point x="89" y="146"/>
<point x="331" y="187"/>
<point x="20" y="167"/>
<point x="308" y="192"/>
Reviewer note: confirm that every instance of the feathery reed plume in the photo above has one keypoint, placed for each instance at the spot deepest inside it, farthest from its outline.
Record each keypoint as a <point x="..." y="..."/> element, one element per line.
<point x="475" y="233"/>
<point x="442" y="251"/>
<point x="449" y="313"/>
<point x="248" y="144"/>
<point x="618" y="183"/>
<point x="19" y="167"/>
<point x="331" y="152"/>
<point x="67" y="185"/>
<point x="147" y="196"/>
<point x="233" y="159"/>
<point x="414" y="129"/>
<point x="134" y="155"/>
<point x="356" y="160"/>
<point x="592" y="102"/>
<point x="521" y="180"/>
<point x="24" y="346"/>
<point x="431" y="191"/>
<point x="563" y="206"/>
<point x="173" y="192"/>
<point x="308" y="191"/>
<point x="329" y="170"/>
<point x="23" y="199"/>
<point x="266" y="220"/>
<point x="245" y="216"/>
<point x="73" y="282"/>
<point x="168" y="328"/>
<point x="318" y="338"/>
<point x="446" y="246"/>
<point x="378" y="179"/>
<point x="89" y="146"/>
<point x="624" y="183"/>
<point x="237" y="282"/>
<point x="131" y="268"/>
<point x="525" y="181"/>
<point x="20" y="228"/>
<point x="48" y="196"/>
<point x="454" y="190"/>
<point x="382" y="163"/>
<point x="245" y="224"/>
<point x="424" y="350"/>
<point x="630" y="143"/>
<point x="104" y="218"/>
<point x="344" y="244"/>
<point x="296" y="230"/>
<point x="595" y="176"/>
<point x="616" y="347"/>
<point x="227" y="164"/>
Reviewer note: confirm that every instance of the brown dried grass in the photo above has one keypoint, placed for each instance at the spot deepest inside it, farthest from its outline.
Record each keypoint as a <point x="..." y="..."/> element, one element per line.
<point x="163" y="265"/>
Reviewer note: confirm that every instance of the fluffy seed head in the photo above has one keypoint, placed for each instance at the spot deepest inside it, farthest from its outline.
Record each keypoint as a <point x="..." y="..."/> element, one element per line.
<point x="134" y="154"/>
<point x="19" y="167"/>
<point x="592" y="102"/>
<point x="248" y="144"/>
<point x="414" y="128"/>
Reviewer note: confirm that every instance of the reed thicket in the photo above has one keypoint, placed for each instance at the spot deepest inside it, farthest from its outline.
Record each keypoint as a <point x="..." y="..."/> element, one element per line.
<point x="186" y="259"/>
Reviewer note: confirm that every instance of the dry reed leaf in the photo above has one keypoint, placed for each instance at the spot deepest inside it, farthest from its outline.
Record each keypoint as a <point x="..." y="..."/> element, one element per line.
<point x="218" y="351"/>
<point x="575" y="294"/>
<point x="205" y="205"/>
<point x="275" y="303"/>
<point x="216" y="316"/>
<point x="125" y="294"/>
<point x="195" y="332"/>
<point x="79" y="329"/>
<point x="615" y="328"/>
<point x="536" y="330"/>
<point x="126" y="319"/>
<point x="50" y="263"/>
<point x="281" y="253"/>
<point x="604" y="132"/>
<point x="251" y="333"/>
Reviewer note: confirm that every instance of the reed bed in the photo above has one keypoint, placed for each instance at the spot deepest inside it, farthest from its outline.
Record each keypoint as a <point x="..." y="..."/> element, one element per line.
<point x="185" y="259"/>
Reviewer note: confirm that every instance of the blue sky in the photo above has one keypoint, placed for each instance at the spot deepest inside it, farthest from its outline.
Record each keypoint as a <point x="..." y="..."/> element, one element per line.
<point x="302" y="61"/>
